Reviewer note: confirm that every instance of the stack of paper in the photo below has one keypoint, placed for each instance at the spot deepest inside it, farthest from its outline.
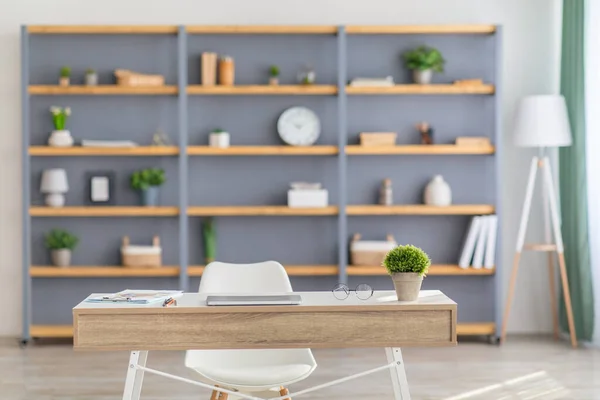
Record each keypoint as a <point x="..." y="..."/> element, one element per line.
<point x="479" y="249"/>
<point x="136" y="296"/>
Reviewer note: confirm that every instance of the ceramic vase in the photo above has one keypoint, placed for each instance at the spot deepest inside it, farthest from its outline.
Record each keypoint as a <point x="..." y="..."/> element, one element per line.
<point x="226" y="71"/>
<point x="218" y="139"/>
<point x="422" y="77"/>
<point x="91" y="79"/>
<point x="407" y="285"/>
<point x="209" y="69"/>
<point x="437" y="192"/>
<point x="60" y="138"/>
<point x="61" y="257"/>
<point x="150" y="196"/>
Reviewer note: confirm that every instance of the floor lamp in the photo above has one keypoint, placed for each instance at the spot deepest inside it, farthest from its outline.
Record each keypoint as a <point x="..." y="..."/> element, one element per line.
<point x="543" y="122"/>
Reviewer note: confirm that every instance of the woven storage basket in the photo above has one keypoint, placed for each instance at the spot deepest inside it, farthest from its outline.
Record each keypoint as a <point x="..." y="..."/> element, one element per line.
<point x="371" y="258"/>
<point x="130" y="78"/>
<point x="141" y="260"/>
<point x="378" y="138"/>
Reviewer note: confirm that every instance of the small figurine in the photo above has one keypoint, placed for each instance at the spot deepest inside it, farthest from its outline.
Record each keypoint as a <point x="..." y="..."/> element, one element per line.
<point x="385" y="193"/>
<point x="426" y="133"/>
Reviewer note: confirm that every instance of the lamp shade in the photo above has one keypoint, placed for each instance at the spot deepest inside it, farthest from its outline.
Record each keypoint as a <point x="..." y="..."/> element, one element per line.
<point x="54" y="181"/>
<point x="542" y="121"/>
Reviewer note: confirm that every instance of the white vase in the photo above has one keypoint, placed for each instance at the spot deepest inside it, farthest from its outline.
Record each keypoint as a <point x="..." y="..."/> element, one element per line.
<point x="437" y="192"/>
<point x="220" y="139"/>
<point x="60" y="138"/>
<point x="422" y="77"/>
<point x="91" y="79"/>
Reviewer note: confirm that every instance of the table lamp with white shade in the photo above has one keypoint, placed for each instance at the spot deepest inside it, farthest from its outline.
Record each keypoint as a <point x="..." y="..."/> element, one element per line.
<point x="543" y="122"/>
<point x="55" y="185"/>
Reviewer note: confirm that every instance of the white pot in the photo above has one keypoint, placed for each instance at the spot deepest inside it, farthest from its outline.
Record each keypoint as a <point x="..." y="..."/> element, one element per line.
<point x="218" y="139"/>
<point x="91" y="79"/>
<point x="437" y="192"/>
<point x="422" y="77"/>
<point x="61" y="258"/>
<point x="60" y="138"/>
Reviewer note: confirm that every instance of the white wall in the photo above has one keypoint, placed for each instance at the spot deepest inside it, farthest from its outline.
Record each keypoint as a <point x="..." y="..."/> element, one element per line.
<point x="530" y="65"/>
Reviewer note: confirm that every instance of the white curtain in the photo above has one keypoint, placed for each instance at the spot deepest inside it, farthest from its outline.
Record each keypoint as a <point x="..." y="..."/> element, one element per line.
<point x="592" y="116"/>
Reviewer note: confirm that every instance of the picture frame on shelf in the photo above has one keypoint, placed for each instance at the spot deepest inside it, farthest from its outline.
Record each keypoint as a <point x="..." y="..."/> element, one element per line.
<point x="100" y="188"/>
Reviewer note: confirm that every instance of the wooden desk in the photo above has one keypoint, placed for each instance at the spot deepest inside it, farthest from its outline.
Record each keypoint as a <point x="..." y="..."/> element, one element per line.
<point x="322" y="321"/>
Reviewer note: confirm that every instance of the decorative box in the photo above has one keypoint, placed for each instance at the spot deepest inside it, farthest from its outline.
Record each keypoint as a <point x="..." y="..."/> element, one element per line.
<point x="378" y="138"/>
<point x="307" y="195"/>
<point x="131" y="78"/>
<point x="370" y="252"/>
<point x="141" y="256"/>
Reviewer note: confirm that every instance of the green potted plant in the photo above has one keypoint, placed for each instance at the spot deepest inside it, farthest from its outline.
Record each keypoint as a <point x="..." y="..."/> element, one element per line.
<point x="273" y="75"/>
<point x="218" y="138"/>
<point x="423" y="61"/>
<point x="147" y="182"/>
<point x="61" y="243"/>
<point x="65" y="76"/>
<point x="60" y="137"/>
<point x="91" y="77"/>
<point x="407" y="265"/>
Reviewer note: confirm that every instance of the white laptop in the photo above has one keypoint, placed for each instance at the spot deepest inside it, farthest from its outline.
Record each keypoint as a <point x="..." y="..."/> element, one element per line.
<point x="254" y="300"/>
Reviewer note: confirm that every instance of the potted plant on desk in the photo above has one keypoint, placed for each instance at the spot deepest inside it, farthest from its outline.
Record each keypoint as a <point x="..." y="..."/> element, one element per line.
<point x="423" y="62"/>
<point x="148" y="181"/>
<point x="61" y="243"/>
<point x="407" y="265"/>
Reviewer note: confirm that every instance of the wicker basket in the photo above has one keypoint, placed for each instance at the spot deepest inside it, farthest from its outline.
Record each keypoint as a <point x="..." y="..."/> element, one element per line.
<point x="378" y="138"/>
<point x="150" y="260"/>
<point x="371" y="258"/>
<point x="130" y="78"/>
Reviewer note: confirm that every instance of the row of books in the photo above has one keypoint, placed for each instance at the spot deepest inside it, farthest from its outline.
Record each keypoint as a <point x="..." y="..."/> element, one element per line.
<point x="479" y="249"/>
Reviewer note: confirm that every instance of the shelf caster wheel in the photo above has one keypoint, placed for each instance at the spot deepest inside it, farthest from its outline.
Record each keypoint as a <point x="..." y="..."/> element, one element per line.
<point x="494" y="340"/>
<point x="23" y="343"/>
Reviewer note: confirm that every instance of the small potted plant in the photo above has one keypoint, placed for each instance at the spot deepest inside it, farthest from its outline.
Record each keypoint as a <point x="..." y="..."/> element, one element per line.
<point x="407" y="265"/>
<point x="147" y="182"/>
<point x="274" y="75"/>
<point x="218" y="138"/>
<point x="423" y="62"/>
<point x="91" y="77"/>
<point x="60" y="137"/>
<point x="65" y="76"/>
<point x="61" y="243"/>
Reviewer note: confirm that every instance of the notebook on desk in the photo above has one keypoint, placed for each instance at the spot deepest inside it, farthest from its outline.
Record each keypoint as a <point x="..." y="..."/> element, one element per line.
<point x="254" y="300"/>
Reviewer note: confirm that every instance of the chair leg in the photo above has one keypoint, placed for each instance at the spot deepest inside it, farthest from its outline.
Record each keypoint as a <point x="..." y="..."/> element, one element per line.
<point x="283" y="391"/>
<point x="223" y="396"/>
<point x="215" y="394"/>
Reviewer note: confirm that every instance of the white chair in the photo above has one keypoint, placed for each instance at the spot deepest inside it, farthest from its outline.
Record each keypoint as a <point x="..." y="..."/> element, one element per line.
<point x="249" y="371"/>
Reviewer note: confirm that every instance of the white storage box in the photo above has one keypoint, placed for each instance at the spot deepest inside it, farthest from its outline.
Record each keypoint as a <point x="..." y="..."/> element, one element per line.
<point x="308" y="198"/>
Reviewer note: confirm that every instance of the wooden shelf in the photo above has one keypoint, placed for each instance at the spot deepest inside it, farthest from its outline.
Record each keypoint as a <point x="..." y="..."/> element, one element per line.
<point x="292" y="270"/>
<point x="434" y="270"/>
<point x="420" y="29"/>
<point x="436" y="149"/>
<point x="101" y="90"/>
<point x="423" y="89"/>
<point x="263" y="90"/>
<point x="263" y="151"/>
<point x="101" y="29"/>
<point x="215" y="211"/>
<point x="51" y="331"/>
<point x="476" y="329"/>
<point x="103" y="211"/>
<point x="263" y="29"/>
<point x="104" y="151"/>
<point x="420" y="209"/>
<point x="85" y="271"/>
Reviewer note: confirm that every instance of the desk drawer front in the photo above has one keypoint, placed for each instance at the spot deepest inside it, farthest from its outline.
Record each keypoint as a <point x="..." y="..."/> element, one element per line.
<point x="181" y="331"/>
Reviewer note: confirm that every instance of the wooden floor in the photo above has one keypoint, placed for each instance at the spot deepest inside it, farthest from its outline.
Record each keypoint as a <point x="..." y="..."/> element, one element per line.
<point x="524" y="368"/>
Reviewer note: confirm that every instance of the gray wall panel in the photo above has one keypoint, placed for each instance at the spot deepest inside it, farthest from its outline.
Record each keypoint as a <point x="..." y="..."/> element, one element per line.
<point x="253" y="54"/>
<point x="100" y="238"/>
<point x="150" y="54"/>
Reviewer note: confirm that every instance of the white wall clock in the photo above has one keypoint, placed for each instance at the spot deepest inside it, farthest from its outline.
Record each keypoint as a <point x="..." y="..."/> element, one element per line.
<point x="299" y="126"/>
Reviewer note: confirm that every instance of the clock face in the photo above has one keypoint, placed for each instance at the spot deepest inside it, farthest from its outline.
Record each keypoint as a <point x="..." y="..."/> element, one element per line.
<point x="299" y="126"/>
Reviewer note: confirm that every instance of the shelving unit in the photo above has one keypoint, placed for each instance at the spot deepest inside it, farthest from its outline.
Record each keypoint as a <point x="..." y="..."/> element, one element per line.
<point x="240" y="181"/>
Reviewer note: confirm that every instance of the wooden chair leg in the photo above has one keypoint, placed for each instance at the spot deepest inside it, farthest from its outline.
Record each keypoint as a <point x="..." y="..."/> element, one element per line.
<point x="283" y="391"/>
<point x="567" y="295"/>
<point x="215" y="395"/>
<point x="223" y="396"/>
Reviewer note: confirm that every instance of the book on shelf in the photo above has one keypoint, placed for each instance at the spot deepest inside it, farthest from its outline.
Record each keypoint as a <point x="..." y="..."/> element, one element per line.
<point x="490" y="249"/>
<point x="469" y="245"/>
<point x="135" y="296"/>
<point x="479" y="248"/>
<point x="108" y="143"/>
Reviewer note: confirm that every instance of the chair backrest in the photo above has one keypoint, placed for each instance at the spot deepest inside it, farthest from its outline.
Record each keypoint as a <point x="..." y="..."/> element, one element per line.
<point x="263" y="277"/>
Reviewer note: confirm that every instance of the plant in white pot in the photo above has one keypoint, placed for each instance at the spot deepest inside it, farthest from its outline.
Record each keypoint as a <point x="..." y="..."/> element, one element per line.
<point x="148" y="181"/>
<point x="61" y="243"/>
<point x="218" y="138"/>
<point x="273" y="75"/>
<point x="423" y="62"/>
<point x="60" y="137"/>
<point x="91" y="77"/>
<point x="407" y="265"/>
<point x="65" y="76"/>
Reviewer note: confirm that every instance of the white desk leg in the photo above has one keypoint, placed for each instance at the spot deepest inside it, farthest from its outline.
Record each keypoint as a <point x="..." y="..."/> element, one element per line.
<point x="399" y="382"/>
<point x="135" y="377"/>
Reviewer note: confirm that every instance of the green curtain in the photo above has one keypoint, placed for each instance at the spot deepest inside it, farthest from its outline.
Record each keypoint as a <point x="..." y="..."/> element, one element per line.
<point x="573" y="189"/>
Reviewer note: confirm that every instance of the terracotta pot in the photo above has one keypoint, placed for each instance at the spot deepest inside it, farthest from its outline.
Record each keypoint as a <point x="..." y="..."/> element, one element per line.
<point x="64" y="81"/>
<point x="61" y="258"/>
<point x="408" y="285"/>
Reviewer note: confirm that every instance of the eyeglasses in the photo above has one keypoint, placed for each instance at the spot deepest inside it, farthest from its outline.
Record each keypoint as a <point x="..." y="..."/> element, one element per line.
<point x="362" y="291"/>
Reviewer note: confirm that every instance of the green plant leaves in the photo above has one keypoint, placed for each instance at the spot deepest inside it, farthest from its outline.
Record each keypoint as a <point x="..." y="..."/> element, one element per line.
<point x="58" y="239"/>
<point x="142" y="180"/>
<point x="407" y="258"/>
<point x="423" y="58"/>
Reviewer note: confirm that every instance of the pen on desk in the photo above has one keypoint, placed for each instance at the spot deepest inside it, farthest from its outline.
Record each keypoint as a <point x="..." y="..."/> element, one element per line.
<point x="170" y="302"/>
